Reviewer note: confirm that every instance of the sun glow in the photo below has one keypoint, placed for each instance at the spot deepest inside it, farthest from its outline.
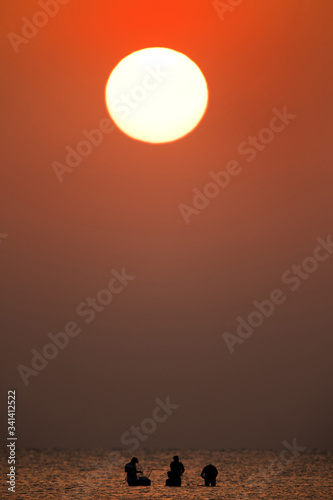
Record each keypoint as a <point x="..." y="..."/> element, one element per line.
<point x="156" y="95"/>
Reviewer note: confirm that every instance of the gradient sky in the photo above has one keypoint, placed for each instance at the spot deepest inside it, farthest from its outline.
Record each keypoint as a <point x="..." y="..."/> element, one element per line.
<point x="162" y="335"/>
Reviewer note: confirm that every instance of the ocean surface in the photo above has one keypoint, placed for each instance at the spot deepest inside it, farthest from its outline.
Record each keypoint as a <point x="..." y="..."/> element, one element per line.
<point x="99" y="474"/>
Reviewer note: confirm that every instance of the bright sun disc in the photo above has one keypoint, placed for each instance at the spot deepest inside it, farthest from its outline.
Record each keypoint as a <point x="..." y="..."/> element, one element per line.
<point x="156" y="95"/>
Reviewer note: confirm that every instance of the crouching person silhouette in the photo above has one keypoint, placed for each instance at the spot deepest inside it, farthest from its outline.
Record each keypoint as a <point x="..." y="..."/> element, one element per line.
<point x="209" y="474"/>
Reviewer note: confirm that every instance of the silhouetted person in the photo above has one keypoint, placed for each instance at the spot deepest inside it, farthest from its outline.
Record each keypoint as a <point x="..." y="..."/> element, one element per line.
<point x="175" y="473"/>
<point x="132" y="471"/>
<point x="209" y="474"/>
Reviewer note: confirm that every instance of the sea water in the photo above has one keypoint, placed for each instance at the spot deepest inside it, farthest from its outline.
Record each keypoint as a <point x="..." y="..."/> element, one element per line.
<point x="99" y="474"/>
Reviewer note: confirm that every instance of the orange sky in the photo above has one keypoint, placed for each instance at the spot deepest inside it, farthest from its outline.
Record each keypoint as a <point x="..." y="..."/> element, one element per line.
<point x="120" y="208"/>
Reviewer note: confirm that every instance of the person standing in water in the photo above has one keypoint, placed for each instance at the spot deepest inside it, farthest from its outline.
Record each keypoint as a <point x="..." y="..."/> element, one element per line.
<point x="175" y="473"/>
<point x="209" y="474"/>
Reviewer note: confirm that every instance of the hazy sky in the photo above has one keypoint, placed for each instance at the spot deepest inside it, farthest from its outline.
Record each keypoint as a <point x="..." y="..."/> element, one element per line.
<point x="118" y="211"/>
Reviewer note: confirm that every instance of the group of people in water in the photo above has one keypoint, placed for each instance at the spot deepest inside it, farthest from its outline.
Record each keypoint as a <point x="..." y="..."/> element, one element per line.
<point x="175" y="473"/>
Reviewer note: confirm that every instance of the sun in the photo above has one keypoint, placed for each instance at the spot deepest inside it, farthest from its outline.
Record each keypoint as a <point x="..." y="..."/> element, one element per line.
<point x="156" y="95"/>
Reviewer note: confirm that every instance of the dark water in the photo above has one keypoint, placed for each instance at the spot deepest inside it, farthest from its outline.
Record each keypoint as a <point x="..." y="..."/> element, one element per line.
<point x="98" y="474"/>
